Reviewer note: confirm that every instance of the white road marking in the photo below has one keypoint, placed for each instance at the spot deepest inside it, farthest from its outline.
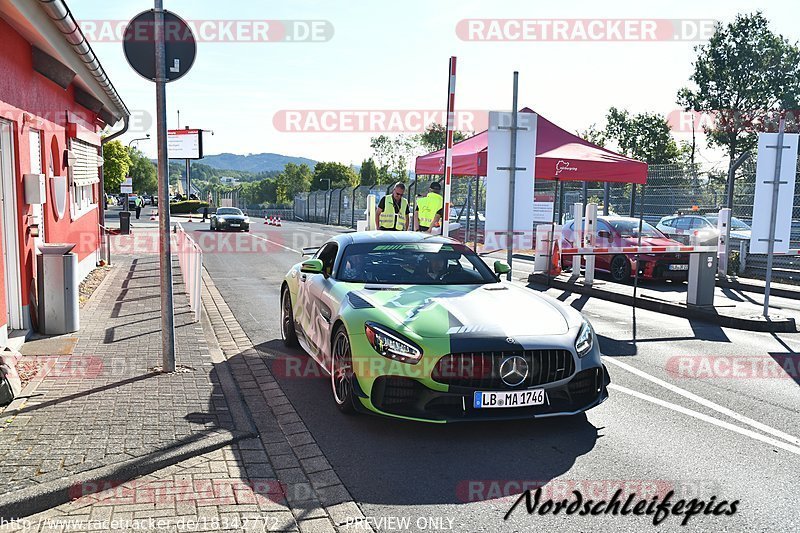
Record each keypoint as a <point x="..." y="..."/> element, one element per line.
<point x="704" y="402"/>
<point x="710" y="419"/>
<point x="275" y="243"/>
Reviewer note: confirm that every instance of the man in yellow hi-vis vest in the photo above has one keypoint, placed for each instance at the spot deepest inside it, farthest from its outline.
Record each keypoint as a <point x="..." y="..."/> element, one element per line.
<point x="393" y="215"/>
<point x="429" y="209"/>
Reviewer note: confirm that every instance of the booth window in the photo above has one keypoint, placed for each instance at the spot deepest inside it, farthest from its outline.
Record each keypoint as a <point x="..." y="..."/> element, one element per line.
<point x="83" y="176"/>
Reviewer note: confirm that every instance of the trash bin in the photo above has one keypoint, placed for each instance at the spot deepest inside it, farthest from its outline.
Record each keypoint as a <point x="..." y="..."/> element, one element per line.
<point x="124" y="222"/>
<point x="58" y="289"/>
<point x="702" y="278"/>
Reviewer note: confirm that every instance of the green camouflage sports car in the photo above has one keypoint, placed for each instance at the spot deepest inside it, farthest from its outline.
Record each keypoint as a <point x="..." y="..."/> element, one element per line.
<point x="417" y="326"/>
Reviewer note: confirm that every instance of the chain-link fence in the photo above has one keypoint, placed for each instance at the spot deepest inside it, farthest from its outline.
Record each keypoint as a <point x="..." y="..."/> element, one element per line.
<point x="669" y="189"/>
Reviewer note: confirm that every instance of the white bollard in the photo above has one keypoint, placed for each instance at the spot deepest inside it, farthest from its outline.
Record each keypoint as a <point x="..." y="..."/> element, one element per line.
<point x="577" y="237"/>
<point x="371" y="212"/>
<point x="590" y="241"/>
<point x="723" y="223"/>
<point x="542" y="238"/>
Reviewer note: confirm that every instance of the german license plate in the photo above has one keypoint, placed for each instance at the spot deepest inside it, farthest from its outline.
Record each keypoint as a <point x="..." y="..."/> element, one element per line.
<point x="679" y="267"/>
<point x="235" y="225"/>
<point x="521" y="398"/>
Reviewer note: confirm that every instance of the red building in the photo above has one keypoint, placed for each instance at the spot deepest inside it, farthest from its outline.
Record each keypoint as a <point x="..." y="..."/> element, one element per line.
<point x="54" y="101"/>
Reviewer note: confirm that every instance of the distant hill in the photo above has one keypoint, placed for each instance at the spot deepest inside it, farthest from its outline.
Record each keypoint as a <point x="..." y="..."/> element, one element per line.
<point x="254" y="162"/>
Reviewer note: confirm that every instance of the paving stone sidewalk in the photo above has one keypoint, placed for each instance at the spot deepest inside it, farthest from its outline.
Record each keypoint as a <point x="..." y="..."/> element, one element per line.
<point x="103" y="403"/>
<point x="280" y="481"/>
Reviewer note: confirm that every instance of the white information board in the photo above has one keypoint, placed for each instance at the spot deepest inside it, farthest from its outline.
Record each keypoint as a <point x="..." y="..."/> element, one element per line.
<point x="185" y="144"/>
<point x="762" y="206"/>
<point x="126" y="187"/>
<point x="497" y="181"/>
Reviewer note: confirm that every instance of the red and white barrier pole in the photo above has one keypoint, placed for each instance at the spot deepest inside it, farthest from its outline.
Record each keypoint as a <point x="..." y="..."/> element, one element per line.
<point x="448" y="150"/>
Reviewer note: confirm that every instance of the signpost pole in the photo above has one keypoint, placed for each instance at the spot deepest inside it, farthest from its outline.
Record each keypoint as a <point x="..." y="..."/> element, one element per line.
<point x="165" y="252"/>
<point x="776" y="185"/>
<point x="188" y="179"/>
<point x="448" y="150"/>
<point x="512" y="177"/>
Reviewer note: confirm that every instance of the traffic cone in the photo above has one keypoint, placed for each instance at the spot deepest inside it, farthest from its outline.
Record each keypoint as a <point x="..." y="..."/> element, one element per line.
<point x="153" y="216"/>
<point x="555" y="263"/>
<point x="278" y="223"/>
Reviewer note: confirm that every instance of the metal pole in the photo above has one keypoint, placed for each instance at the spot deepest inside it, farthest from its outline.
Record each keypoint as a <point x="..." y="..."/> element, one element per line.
<point x="773" y="216"/>
<point x="638" y="245"/>
<point x="448" y="149"/>
<point x="469" y="207"/>
<point x="477" y="207"/>
<point x="585" y="193"/>
<point x="512" y="176"/>
<point x="723" y="257"/>
<point x="606" y="197"/>
<point x="188" y="179"/>
<point x="165" y="253"/>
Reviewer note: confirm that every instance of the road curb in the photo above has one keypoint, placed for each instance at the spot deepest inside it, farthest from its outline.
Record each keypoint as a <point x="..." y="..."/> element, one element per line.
<point x="50" y="494"/>
<point x="773" y="325"/>
<point x="780" y="292"/>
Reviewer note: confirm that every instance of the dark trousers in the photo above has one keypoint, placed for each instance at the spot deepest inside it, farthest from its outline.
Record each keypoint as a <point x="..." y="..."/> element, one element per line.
<point x="138" y="211"/>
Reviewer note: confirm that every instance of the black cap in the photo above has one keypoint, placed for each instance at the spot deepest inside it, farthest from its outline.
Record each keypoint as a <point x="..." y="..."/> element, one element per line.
<point x="435" y="186"/>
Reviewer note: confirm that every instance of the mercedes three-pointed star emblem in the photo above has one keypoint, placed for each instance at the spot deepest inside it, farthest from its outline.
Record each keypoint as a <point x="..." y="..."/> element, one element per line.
<point x="514" y="370"/>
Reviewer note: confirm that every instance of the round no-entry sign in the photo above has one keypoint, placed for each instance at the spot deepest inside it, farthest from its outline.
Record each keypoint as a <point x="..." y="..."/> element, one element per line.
<point x="139" y="43"/>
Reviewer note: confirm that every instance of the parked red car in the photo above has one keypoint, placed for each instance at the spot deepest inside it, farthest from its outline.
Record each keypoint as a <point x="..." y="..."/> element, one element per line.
<point x="615" y="231"/>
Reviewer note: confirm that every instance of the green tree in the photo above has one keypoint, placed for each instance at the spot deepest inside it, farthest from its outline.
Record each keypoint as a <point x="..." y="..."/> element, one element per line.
<point x="293" y="180"/>
<point x="645" y="136"/>
<point x="393" y="156"/>
<point x="339" y="175"/>
<point x="743" y="76"/>
<point x="369" y="172"/>
<point x="593" y="135"/>
<point x="435" y="137"/>
<point x="143" y="172"/>
<point x="116" y="164"/>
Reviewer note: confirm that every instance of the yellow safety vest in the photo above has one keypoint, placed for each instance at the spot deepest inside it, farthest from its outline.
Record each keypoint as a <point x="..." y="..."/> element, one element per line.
<point x="390" y="219"/>
<point x="428" y="207"/>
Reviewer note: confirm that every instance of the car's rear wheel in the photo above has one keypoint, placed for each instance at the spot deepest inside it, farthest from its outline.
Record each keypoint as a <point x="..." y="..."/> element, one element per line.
<point x="342" y="371"/>
<point x="620" y="269"/>
<point x="288" y="333"/>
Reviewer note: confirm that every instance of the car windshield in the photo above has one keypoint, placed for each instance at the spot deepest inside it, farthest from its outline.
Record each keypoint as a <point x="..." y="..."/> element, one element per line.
<point x="630" y="228"/>
<point x="229" y="211"/>
<point x="413" y="264"/>
<point x="736" y="224"/>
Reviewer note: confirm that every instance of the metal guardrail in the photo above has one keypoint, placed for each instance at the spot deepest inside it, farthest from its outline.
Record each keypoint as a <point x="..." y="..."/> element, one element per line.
<point x="190" y="259"/>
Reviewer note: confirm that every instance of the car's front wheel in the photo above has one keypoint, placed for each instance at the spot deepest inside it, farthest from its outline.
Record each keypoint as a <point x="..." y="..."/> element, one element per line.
<point x="620" y="269"/>
<point x="288" y="333"/>
<point x="212" y="227"/>
<point x="342" y="372"/>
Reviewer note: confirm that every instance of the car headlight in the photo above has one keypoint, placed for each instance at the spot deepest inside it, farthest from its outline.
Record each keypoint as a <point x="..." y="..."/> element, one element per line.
<point x="220" y="219"/>
<point x="391" y="344"/>
<point x="585" y="340"/>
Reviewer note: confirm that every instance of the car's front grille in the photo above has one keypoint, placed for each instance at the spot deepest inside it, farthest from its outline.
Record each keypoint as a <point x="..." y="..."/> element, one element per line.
<point x="481" y="370"/>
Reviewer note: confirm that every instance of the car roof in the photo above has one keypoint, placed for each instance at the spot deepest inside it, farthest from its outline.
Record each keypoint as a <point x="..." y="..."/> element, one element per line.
<point x="358" y="237"/>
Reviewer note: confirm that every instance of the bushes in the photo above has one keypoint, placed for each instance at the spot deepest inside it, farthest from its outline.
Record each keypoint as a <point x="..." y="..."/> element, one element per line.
<point x="185" y="207"/>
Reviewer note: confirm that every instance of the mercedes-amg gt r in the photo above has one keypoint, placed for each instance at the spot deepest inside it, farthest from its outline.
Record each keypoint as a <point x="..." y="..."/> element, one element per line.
<point x="417" y="326"/>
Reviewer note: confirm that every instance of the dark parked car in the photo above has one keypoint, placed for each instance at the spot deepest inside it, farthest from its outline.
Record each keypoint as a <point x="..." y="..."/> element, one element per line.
<point x="617" y="232"/>
<point x="230" y="218"/>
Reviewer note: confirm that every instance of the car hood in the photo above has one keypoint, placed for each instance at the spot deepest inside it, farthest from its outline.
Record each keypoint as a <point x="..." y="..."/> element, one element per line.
<point x="649" y="241"/>
<point x="497" y="310"/>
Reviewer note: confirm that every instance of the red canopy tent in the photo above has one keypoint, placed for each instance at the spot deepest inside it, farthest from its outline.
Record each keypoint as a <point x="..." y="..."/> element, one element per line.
<point x="559" y="155"/>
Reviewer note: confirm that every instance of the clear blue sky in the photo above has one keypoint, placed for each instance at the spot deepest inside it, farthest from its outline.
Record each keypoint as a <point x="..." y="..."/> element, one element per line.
<point x="393" y="55"/>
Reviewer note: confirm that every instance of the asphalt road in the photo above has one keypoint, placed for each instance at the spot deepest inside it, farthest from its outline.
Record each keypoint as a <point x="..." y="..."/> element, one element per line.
<point x="676" y="419"/>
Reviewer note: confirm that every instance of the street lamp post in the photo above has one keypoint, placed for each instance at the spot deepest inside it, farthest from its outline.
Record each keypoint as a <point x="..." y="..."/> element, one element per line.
<point x="139" y="139"/>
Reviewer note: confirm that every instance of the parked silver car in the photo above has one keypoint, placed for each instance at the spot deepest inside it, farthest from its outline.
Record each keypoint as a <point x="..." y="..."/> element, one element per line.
<point x="682" y="227"/>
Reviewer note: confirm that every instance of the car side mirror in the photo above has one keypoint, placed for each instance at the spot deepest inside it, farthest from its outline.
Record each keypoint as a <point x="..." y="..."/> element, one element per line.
<point x="312" y="266"/>
<point x="501" y="267"/>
